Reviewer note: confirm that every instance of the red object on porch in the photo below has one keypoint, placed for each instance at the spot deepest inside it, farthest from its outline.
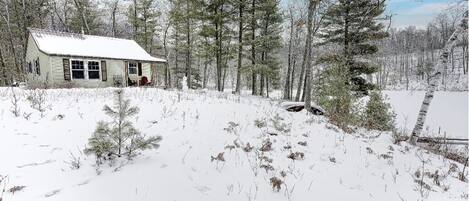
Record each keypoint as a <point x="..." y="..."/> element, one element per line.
<point x="144" y="81"/>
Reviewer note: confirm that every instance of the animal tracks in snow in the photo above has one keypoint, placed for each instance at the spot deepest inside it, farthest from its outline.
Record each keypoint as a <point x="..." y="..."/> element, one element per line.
<point x="35" y="164"/>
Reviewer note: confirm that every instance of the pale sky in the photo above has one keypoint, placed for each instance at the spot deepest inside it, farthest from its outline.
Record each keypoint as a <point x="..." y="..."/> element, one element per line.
<point x="415" y="12"/>
<point x="411" y="12"/>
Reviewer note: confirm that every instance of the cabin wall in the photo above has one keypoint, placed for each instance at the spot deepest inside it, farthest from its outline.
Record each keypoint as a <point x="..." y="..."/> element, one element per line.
<point x="113" y="68"/>
<point x="32" y="54"/>
<point x="146" y="70"/>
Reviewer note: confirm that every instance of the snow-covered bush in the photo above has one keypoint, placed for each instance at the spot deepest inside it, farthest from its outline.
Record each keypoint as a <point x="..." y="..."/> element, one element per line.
<point x="119" y="137"/>
<point x="37" y="100"/>
<point x="378" y="114"/>
<point x="15" y="99"/>
<point x="37" y="82"/>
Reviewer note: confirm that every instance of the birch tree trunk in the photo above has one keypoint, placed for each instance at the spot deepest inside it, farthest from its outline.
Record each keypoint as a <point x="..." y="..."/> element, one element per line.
<point x="435" y="76"/>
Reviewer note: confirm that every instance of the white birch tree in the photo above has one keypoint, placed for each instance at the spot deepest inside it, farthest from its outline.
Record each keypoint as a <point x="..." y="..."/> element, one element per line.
<point x="435" y="76"/>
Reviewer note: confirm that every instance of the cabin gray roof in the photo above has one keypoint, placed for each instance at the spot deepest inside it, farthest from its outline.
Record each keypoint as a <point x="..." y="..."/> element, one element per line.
<point x="80" y="45"/>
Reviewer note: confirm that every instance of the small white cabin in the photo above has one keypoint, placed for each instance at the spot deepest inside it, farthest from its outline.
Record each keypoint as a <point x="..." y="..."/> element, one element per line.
<point x="63" y="59"/>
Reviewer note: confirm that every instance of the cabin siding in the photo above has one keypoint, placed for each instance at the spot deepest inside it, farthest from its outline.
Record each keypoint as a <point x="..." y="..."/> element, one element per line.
<point x="32" y="54"/>
<point x="146" y="70"/>
<point x="113" y="67"/>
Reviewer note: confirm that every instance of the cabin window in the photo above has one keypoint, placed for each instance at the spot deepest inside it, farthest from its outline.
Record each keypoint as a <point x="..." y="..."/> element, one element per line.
<point x="93" y="70"/>
<point x="30" y="67"/>
<point x="78" y="69"/>
<point x="132" y="67"/>
<point x="37" y="67"/>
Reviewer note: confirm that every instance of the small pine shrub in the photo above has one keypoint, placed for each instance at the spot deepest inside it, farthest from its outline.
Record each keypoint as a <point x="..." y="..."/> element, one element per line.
<point x="335" y="96"/>
<point x="119" y="137"/>
<point x="378" y="114"/>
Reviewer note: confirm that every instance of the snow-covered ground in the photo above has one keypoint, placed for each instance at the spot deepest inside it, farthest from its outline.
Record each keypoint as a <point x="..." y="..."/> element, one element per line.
<point x="196" y="125"/>
<point x="448" y="112"/>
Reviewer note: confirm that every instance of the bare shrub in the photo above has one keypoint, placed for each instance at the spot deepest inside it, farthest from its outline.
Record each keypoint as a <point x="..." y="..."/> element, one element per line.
<point x="260" y="123"/>
<point x="16" y="188"/>
<point x="276" y="183"/>
<point x="232" y="127"/>
<point x="267" y="167"/>
<point x="219" y="157"/>
<point x="303" y="143"/>
<point x="74" y="161"/>
<point x="296" y="156"/>
<point x="248" y="148"/>
<point x="15" y="99"/>
<point x="266" y="145"/>
<point x="399" y="137"/>
<point x="37" y="100"/>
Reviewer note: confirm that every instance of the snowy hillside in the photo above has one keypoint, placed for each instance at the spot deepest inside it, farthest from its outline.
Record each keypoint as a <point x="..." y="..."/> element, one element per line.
<point x="323" y="163"/>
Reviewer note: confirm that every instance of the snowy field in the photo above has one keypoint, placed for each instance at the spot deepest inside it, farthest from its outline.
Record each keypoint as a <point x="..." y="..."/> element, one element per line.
<point x="35" y="152"/>
<point x="448" y="112"/>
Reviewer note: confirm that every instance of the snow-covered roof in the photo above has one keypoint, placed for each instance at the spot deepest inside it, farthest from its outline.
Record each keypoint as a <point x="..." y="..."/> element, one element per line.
<point x="71" y="44"/>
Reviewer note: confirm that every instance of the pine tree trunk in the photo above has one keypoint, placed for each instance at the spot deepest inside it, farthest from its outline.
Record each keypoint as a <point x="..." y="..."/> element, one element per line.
<point x="135" y="20"/>
<point x="286" y="90"/>
<point x="81" y="9"/>
<point x="218" y="40"/>
<point x="3" y="69"/>
<point x="240" y="47"/>
<point x="253" y="48"/>
<point x="309" y="39"/>
<point x="262" y="82"/>
<point x="302" y="72"/>
<point x="292" y="76"/>
<point x="435" y="77"/>
<point x="6" y="18"/>
<point x="188" y="50"/>
<point x="176" y="59"/>
<point x="113" y="18"/>
<point x="167" y="76"/>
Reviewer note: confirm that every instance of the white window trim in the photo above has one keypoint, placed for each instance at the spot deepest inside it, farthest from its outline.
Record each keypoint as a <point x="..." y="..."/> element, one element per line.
<point x="71" y="69"/>
<point x="136" y="68"/>
<point x="99" y="69"/>
<point x="85" y="69"/>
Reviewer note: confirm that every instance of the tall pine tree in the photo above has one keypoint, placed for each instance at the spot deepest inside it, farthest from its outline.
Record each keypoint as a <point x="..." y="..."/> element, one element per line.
<point x="269" y="42"/>
<point x="353" y="24"/>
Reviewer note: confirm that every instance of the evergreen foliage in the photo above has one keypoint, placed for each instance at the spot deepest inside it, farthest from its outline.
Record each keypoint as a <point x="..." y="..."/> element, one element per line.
<point x="353" y="25"/>
<point x="334" y="95"/>
<point x="119" y="137"/>
<point x="378" y="113"/>
<point x="270" y="42"/>
<point x="85" y="17"/>
<point x="144" y="22"/>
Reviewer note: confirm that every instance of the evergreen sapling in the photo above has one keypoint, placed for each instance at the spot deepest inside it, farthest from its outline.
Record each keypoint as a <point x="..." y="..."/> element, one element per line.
<point x="119" y="137"/>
